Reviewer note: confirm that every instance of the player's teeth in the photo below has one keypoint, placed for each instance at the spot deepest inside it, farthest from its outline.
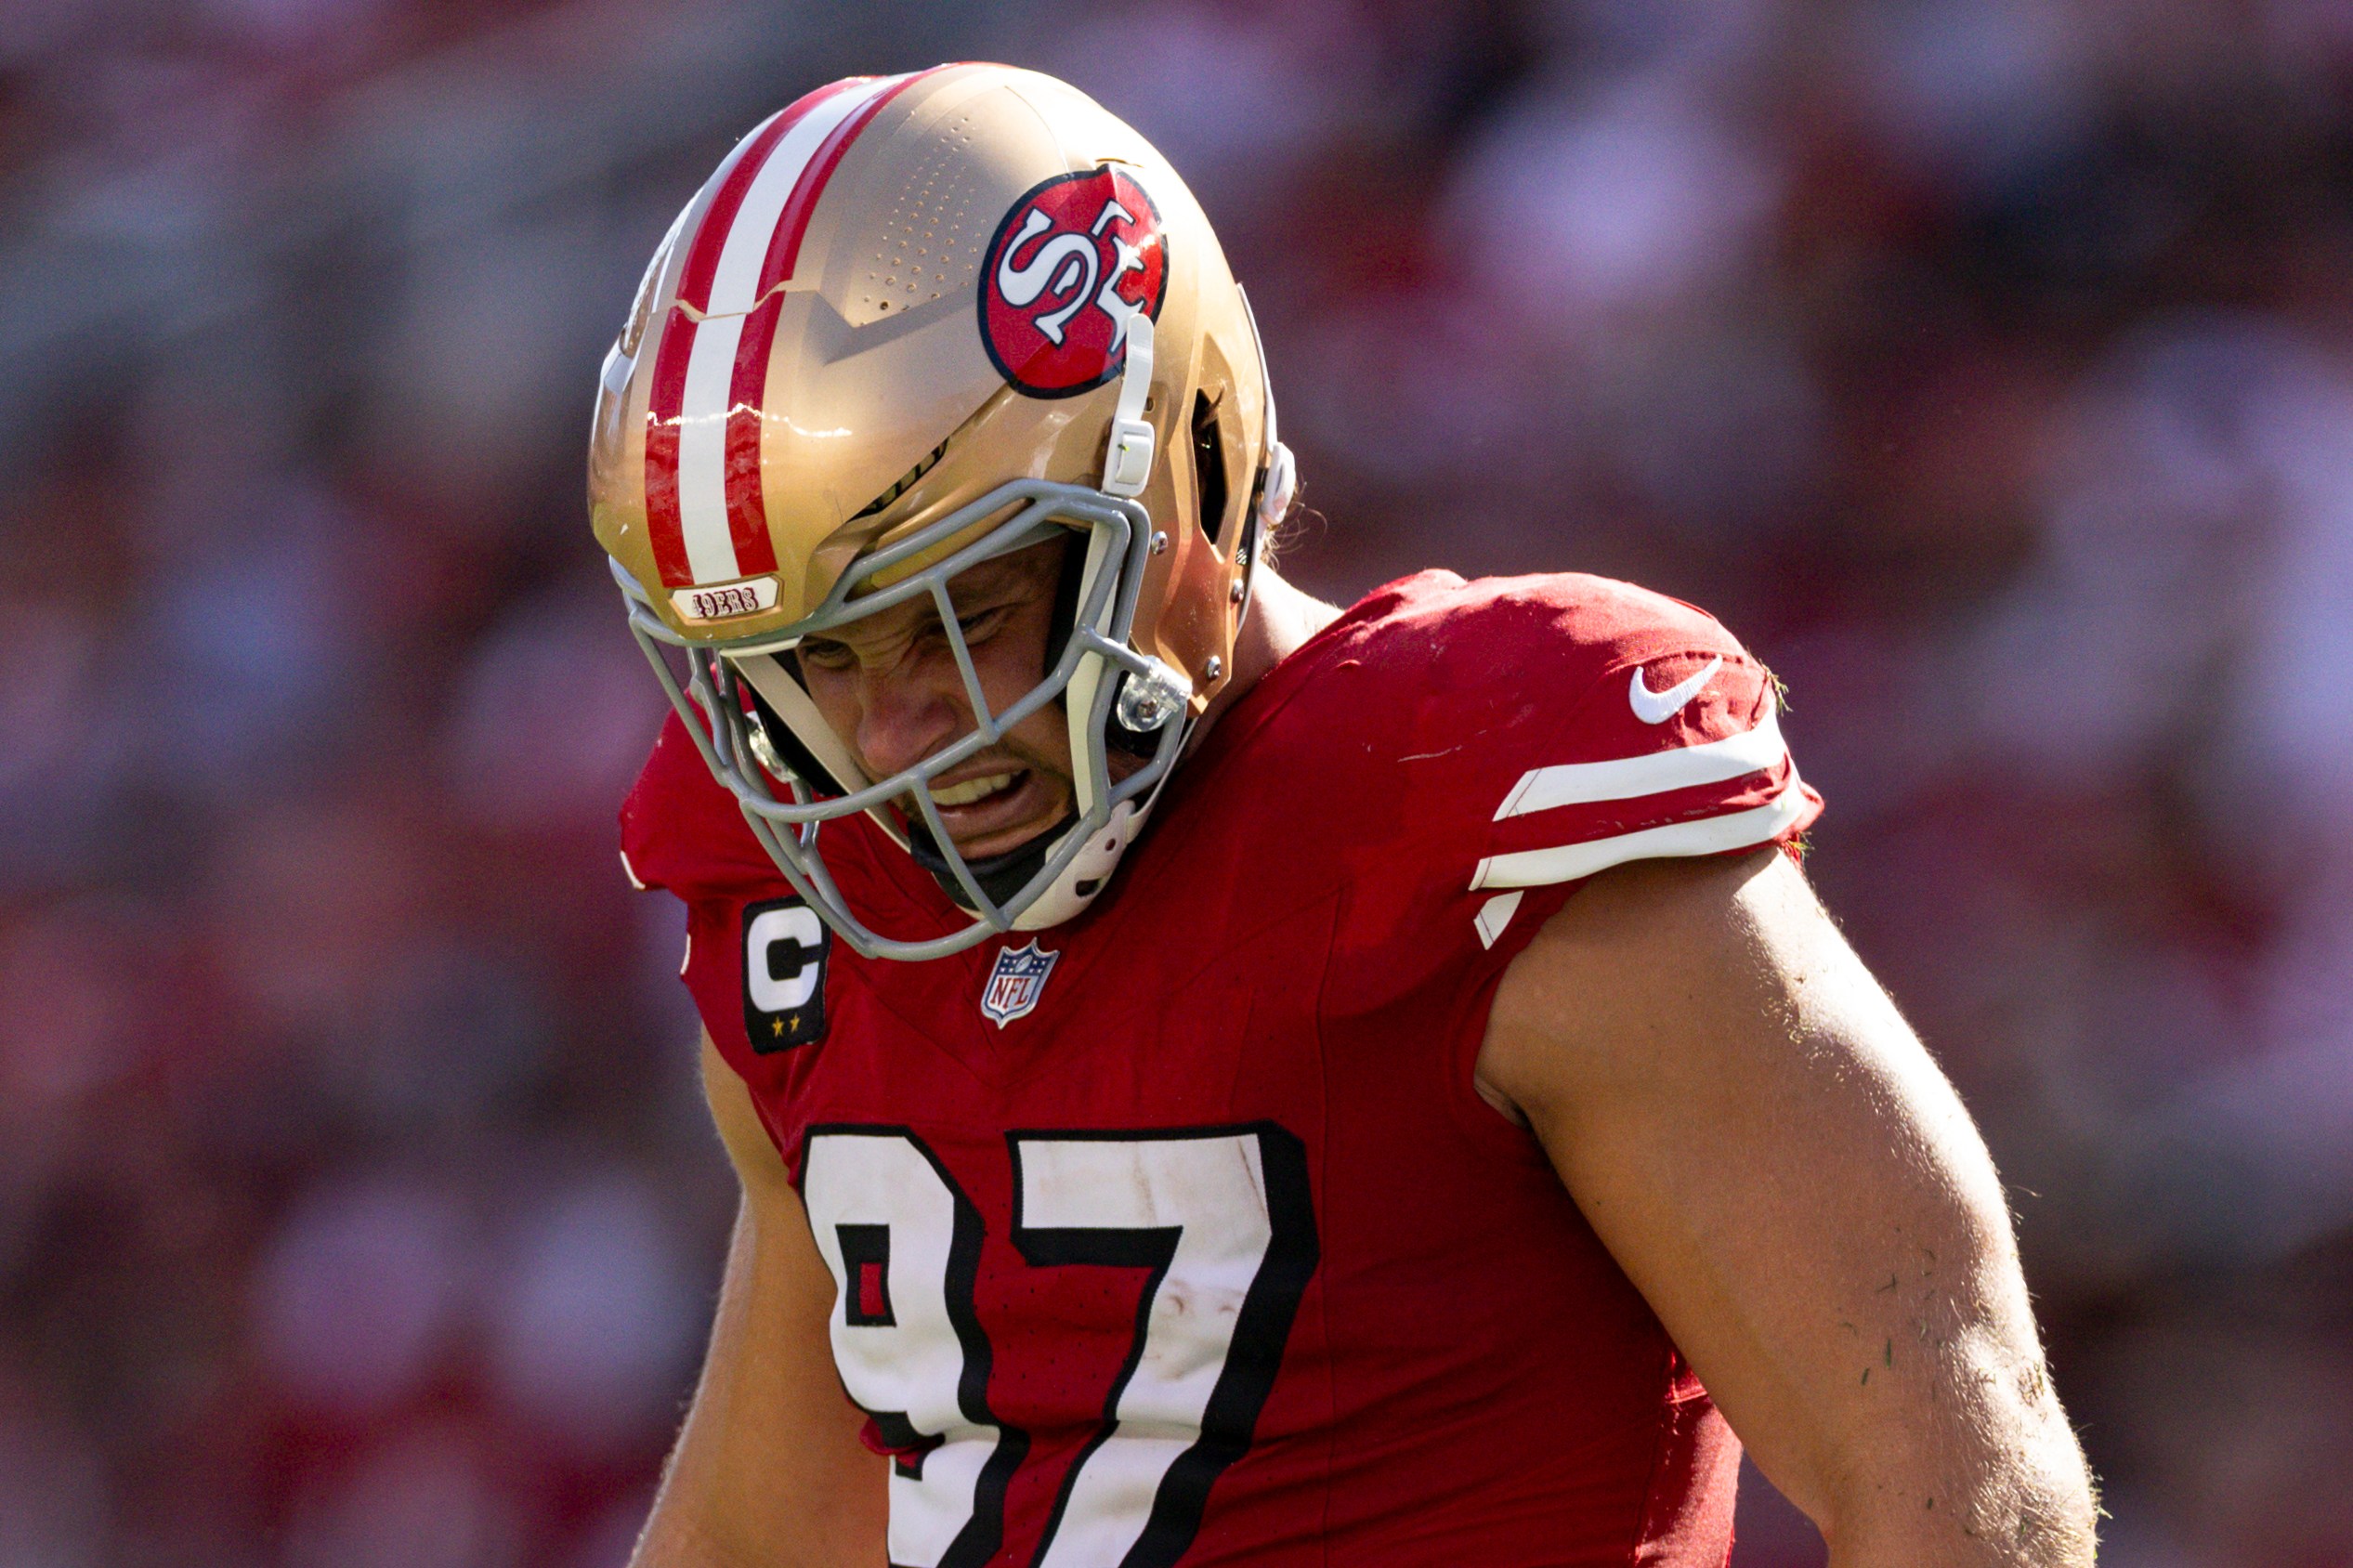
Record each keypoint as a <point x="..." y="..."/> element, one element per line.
<point x="971" y="790"/>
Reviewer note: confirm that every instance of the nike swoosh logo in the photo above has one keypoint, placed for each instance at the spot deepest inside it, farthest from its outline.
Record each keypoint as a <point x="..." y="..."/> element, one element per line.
<point x="1657" y="707"/>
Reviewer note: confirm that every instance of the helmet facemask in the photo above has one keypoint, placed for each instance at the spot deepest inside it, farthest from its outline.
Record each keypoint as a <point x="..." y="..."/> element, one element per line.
<point x="1113" y="696"/>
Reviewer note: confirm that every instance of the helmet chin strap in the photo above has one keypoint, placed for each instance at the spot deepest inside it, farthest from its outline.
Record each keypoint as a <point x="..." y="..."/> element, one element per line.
<point x="1001" y="876"/>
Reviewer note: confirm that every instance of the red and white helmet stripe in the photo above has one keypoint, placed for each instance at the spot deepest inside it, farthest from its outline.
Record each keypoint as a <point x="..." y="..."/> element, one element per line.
<point x="703" y="506"/>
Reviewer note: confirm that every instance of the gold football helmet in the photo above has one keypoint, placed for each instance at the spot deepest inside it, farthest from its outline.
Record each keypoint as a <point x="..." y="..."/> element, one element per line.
<point x="909" y="324"/>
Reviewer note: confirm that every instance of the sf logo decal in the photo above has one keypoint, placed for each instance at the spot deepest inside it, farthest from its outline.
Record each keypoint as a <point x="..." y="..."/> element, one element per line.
<point x="1071" y="265"/>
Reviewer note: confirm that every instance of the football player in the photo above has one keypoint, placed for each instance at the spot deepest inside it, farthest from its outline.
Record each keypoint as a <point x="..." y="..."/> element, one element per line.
<point x="1217" y="1079"/>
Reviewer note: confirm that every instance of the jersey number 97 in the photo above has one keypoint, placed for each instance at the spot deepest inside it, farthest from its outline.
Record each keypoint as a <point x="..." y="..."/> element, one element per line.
<point x="1221" y="1221"/>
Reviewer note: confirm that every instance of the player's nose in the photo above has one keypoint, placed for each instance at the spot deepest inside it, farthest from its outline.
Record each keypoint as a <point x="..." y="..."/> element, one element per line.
<point x="903" y="717"/>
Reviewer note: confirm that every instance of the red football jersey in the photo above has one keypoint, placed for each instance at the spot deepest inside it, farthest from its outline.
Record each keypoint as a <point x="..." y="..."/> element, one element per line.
<point x="1179" y="1234"/>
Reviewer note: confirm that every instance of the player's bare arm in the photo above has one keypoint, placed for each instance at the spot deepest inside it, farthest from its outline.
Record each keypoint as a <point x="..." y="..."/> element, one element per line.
<point x="768" y="1472"/>
<point x="1778" y="1165"/>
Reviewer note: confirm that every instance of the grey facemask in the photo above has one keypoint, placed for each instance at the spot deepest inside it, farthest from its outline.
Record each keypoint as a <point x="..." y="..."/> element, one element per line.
<point x="1113" y="696"/>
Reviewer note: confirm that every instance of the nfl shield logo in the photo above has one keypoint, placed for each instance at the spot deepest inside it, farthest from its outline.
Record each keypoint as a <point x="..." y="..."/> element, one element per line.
<point x="1013" y="985"/>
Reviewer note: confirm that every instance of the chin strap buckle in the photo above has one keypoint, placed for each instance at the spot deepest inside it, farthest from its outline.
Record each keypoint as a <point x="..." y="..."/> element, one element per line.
<point x="1151" y="697"/>
<point x="1127" y="458"/>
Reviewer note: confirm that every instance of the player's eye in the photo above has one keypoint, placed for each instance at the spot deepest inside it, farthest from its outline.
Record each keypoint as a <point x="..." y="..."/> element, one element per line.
<point x="983" y="624"/>
<point x="817" y="654"/>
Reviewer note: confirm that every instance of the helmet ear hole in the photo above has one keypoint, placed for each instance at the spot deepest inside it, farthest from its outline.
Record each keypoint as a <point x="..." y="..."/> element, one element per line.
<point x="1209" y="466"/>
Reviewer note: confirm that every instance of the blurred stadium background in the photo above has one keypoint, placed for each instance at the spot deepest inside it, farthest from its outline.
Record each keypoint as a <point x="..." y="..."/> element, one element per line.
<point x="1983" y="362"/>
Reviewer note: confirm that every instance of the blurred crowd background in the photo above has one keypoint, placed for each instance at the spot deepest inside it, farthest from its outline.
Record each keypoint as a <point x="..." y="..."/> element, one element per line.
<point x="1984" y="363"/>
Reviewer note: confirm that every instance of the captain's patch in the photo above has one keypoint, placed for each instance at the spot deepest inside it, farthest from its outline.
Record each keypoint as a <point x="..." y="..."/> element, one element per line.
<point x="785" y="947"/>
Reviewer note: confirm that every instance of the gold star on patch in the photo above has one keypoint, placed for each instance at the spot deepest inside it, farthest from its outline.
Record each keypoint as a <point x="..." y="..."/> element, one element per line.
<point x="778" y="1026"/>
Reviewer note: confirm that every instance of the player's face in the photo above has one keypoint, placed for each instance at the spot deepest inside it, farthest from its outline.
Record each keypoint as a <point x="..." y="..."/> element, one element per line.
<point x="889" y="687"/>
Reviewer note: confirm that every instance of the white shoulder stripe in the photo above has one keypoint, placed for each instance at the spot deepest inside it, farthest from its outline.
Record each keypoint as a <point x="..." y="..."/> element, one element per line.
<point x="1494" y="914"/>
<point x="1576" y="783"/>
<point x="1709" y="835"/>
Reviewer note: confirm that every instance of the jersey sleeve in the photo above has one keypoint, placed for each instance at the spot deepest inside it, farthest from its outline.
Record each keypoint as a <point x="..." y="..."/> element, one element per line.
<point x="1671" y="746"/>
<point x="682" y="832"/>
<point x="1494" y="744"/>
<point x="1552" y="727"/>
